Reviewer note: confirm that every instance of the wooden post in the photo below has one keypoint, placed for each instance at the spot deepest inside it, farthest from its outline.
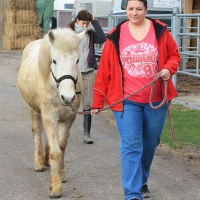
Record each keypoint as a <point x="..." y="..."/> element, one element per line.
<point x="187" y="9"/>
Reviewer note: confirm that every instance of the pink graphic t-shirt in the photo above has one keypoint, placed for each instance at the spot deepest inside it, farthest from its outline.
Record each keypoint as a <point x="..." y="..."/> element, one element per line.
<point x="139" y="64"/>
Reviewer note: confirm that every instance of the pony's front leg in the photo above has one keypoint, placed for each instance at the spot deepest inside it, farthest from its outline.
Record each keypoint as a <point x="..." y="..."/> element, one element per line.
<point x="64" y="128"/>
<point x="36" y="127"/>
<point x="55" y="157"/>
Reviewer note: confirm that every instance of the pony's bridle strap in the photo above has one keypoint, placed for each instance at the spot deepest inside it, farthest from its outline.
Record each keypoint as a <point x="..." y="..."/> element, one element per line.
<point x="63" y="78"/>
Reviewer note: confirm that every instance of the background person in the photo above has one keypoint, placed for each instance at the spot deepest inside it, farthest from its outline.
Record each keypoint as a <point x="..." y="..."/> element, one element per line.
<point x="135" y="51"/>
<point x="87" y="62"/>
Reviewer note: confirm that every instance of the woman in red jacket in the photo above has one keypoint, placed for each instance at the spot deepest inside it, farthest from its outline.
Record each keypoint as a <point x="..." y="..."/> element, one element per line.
<point x="135" y="51"/>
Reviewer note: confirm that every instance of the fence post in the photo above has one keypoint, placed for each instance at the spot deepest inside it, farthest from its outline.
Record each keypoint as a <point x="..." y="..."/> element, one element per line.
<point x="110" y="19"/>
<point x="73" y="15"/>
<point x="198" y="46"/>
<point x="174" y="29"/>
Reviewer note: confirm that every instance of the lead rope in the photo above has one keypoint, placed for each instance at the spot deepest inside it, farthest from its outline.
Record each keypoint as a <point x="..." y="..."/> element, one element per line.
<point x="165" y="100"/>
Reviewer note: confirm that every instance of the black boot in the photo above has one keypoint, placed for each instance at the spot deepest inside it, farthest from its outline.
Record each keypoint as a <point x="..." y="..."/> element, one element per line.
<point x="87" y="119"/>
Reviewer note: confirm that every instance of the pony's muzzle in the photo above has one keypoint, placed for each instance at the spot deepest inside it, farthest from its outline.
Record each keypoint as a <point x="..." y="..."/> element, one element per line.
<point x="66" y="100"/>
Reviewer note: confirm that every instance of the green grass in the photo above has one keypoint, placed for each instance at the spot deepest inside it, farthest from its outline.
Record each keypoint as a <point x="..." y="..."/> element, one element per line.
<point x="186" y="123"/>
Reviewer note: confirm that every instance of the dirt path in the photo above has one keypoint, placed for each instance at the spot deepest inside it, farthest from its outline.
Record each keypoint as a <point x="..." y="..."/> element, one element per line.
<point x="188" y="85"/>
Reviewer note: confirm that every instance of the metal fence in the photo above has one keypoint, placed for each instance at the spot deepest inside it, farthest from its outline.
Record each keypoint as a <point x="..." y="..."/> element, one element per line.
<point x="183" y="34"/>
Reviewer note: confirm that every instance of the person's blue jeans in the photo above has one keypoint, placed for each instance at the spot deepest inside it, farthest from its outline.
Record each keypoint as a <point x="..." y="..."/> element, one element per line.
<point x="140" y="128"/>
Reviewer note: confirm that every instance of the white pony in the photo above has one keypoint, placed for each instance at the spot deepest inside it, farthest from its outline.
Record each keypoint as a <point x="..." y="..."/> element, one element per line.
<point x="49" y="82"/>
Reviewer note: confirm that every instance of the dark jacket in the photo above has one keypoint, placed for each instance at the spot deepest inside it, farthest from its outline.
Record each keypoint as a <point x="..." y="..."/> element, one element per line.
<point x="97" y="37"/>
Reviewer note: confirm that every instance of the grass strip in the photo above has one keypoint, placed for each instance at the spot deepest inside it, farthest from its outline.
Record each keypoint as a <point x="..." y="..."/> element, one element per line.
<point x="186" y="123"/>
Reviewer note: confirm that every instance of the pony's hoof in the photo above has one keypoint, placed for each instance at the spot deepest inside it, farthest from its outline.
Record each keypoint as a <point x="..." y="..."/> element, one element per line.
<point x="64" y="180"/>
<point x="55" y="195"/>
<point x="39" y="169"/>
<point x="55" y="189"/>
<point x="46" y="163"/>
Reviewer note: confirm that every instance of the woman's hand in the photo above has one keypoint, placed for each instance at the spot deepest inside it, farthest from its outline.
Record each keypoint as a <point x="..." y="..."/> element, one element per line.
<point x="94" y="111"/>
<point x="165" y="74"/>
<point x="92" y="17"/>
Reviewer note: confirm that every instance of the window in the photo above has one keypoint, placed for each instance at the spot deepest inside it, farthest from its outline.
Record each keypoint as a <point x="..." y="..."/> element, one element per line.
<point x="86" y="6"/>
<point x="68" y="6"/>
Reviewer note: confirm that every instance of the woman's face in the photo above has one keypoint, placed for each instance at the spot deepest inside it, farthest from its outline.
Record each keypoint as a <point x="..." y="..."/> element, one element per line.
<point x="136" y="12"/>
<point x="82" y="23"/>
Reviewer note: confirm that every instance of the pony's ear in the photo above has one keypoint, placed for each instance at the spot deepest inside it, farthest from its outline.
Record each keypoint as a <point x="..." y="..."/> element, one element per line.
<point x="51" y="36"/>
<point x="81" y="35"/>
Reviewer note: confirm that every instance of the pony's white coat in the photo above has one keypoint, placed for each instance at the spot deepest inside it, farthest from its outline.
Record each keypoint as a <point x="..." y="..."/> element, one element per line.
<point x="46" y="101"/>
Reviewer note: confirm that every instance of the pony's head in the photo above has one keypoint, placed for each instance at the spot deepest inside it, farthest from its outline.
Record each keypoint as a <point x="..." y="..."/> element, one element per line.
<point x="63" y="58"/>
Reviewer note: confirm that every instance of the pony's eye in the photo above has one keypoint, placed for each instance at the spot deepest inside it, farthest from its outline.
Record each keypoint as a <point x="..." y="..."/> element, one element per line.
<point x="77" y="61"/>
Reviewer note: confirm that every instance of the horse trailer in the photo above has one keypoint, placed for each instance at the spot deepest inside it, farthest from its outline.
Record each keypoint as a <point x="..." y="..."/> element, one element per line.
<point x="63" y="13"/>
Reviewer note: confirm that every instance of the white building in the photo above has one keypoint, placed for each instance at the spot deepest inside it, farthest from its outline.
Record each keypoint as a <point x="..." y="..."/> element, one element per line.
<point x="63" y="5"/>
<point x="63" y="11"/>
<point x="96" y="7"/>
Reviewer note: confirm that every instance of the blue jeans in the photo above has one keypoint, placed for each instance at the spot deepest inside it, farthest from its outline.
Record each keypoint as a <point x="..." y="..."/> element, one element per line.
<point x="140" y="128"/>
